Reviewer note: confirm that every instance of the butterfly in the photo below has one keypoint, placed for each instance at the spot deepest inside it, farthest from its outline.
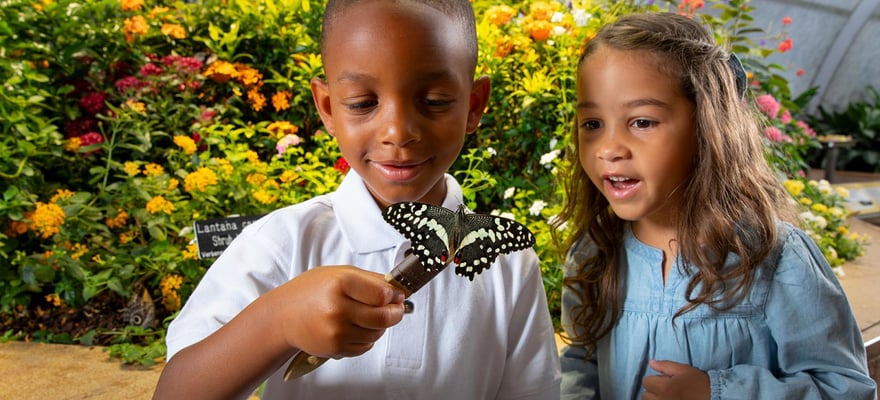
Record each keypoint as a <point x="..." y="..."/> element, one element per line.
<point x="471" y="241"/>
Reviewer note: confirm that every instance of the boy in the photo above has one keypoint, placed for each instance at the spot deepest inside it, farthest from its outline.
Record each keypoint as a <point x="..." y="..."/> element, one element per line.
<point x="399" y="97"/>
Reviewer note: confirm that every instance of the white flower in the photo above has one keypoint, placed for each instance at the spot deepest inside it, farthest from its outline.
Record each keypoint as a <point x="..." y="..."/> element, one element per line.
<point x="838" y="270"/>
<point x="557" y="17"/>
<point x="491" y="151"/>
<point x="536" y="207"/>
<point x="549" y="157"/>
<point x="509" y="192"/>
<point x="581" y="17"/>
<point x="559" y="30"/>
<point x="553" y="142"/>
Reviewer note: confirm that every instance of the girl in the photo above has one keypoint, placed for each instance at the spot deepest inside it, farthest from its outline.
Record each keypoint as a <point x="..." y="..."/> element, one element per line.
<point x="683" y="278"/>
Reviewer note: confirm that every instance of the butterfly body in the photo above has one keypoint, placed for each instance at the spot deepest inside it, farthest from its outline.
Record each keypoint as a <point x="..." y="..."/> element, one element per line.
<point x="471" y="241"/>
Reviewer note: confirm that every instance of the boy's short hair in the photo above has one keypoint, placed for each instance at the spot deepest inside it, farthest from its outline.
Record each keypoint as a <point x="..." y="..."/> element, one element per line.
<point x="459" y="11"/>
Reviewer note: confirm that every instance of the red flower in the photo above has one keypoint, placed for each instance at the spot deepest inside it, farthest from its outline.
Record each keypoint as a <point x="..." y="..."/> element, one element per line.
<point x="93" y="103"/>
<point x="786" y="20"/>
<point x="342" y="165"/>
<point x="786" y="45"/>
<point x="800" y="72"/>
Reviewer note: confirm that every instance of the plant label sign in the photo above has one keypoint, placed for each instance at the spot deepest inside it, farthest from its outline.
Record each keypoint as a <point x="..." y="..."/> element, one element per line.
<point x="214" y="235"/>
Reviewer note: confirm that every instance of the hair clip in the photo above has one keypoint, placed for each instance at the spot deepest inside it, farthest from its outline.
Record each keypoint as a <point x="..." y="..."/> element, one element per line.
<point x="739" y="74"/>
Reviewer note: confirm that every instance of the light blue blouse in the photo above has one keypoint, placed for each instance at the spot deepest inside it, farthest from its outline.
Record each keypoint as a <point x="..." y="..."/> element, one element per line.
<point x="793" y="337"/>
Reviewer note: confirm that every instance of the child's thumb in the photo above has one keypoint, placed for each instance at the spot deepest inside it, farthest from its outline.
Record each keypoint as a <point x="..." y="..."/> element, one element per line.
<point x="668" y="368"/>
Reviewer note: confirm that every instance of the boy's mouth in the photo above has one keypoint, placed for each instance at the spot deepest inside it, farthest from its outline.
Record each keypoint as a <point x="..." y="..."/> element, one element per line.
<point x="399" y="170"/>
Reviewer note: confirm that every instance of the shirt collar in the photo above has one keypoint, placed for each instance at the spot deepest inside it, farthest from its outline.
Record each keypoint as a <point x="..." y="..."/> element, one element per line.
<point x="360" y="218"/>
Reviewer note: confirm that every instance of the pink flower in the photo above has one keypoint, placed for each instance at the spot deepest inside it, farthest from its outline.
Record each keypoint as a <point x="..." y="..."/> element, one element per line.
<point x="773" y="133"/>
<point x="809" y="131"/>
<point x="785" y="117"/>
<point x="800" y="72"/>
<point x="768" y="105"/>
<point x="150" y="69"/>
<point x="285" y="142"/>
<point x="129" y="83"/>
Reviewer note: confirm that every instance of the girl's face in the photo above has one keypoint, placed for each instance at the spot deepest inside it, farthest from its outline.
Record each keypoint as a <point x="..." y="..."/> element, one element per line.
<point x="399" y="97"/>
<point x="636" y="135"/>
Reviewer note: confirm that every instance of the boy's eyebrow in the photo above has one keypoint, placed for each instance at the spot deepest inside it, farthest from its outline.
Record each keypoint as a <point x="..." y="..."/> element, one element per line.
<point x="433" y="76"/>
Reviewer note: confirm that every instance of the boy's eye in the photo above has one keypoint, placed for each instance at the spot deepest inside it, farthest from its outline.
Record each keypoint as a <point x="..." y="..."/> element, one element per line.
<point x="361" y="106"/>
<point x="643" y="124"/>
<point x="436" y="102"/>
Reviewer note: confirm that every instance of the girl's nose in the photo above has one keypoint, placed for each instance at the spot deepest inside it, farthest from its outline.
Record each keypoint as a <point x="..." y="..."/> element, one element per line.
<point x="611" y="147"/>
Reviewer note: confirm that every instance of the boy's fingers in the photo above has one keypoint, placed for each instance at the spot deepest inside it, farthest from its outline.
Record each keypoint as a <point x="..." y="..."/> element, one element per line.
<point x="371" y="290"/>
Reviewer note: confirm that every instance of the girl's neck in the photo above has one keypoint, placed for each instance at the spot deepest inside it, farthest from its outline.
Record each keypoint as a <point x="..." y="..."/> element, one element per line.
<point x="660" y="236"/>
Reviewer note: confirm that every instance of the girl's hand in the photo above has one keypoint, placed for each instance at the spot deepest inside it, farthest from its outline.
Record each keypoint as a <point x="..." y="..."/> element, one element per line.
<point x="676" y="381"/>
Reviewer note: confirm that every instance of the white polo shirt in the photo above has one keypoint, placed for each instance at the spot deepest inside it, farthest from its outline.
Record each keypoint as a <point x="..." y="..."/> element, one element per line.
<point x="486" y="339"/>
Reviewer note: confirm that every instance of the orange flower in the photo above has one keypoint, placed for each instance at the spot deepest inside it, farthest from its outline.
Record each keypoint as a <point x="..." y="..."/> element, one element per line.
<point x="540" y="30"/>
<point x="542" y="10"/>
<point x="136" y="25"/>
<point x="281" y="100"/>
<point x="500" y="15"/>
<point x="174" y="31"/>
<point x="131" y="5"/>
<point x="256" y="98"/>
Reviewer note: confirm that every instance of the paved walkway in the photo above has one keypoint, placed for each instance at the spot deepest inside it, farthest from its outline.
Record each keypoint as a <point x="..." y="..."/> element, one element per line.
<point x="53" y="371"/>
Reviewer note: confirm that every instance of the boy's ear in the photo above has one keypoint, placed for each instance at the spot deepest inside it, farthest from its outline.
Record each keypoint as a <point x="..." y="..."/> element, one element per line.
<point x="478" y="100"/>
<point x="321" y="96"/>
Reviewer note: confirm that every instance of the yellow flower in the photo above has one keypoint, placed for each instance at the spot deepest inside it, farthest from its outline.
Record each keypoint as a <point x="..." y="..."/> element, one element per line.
<point x="225" y="166"/>
<point x="256" y="179"/>
<point x="172" y="184"/>
<point x="159" y="204"/>
<point x="264" y="197"/>
<point x="288" y="176"/>
<point x="47" y="219"/>
<point x="131" y="5"/>
<point x="500" y="15"/>
<point x="842" y="230"/>
<point x="126" y="237"/>
<point x="131" y="168"/>
<point x="169" y="285"/>
<point x="97" y="259"/>
<point x="186" y="143"/>
<point x="282" y="128"/>
<point x="174" y="31"/>
<point x="54" y="300"/>
<point x="820" y="208"/>
<point x="73" y="144"/>
<point x="542" y="10"/>
<point x="806" y="201"/>
<point x="61" y="194"/>
<point x="153" y="169"/>
<point x="248" y="76"/>
<point x="191" y="252"/>
<point x="136" y="25"/>
<point x="199" y="179"/>
<point x="794" y="187"/>
<point x="841" y="191"/>
<point x="78" y="250"/>
<point x="252" y="157"/>
<point x="281" y="100"/>
<point x="136" y="106"/>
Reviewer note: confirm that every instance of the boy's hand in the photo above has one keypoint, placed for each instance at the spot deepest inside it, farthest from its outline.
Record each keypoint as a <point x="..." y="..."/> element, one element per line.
<point x="336" y="311"/>
<point x="677" y="381"/>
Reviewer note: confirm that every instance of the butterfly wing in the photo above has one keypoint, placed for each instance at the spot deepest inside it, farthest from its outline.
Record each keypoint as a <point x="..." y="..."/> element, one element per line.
<point x="486" y="237"/>
<point x="427" y="227"/>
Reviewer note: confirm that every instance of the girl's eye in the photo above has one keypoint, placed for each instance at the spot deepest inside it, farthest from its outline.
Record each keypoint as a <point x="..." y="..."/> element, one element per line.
<point x="643" y="124"/>
<point x="591" y="124"/>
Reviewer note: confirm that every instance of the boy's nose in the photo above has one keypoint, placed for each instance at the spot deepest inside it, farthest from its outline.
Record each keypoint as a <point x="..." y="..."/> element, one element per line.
<point x="398" y="127"/>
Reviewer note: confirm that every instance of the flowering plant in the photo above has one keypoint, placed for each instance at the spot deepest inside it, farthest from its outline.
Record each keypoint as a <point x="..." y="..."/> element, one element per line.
<point x="128" y="120"/>
<point x="823" y="217"/>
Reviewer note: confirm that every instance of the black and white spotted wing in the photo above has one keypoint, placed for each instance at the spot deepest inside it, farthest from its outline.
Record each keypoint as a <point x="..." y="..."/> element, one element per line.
<point x="471" y="241"/>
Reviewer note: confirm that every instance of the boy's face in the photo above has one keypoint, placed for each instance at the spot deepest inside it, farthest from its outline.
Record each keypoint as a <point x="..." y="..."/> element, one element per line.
<point x="399" y="97"/>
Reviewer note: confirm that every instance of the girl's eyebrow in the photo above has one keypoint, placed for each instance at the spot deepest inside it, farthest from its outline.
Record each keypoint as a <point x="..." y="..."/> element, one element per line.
<point x="629" y="104"/>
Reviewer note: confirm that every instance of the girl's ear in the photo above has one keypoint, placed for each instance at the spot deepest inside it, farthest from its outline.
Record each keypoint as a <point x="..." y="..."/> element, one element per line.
<point x="321" y="96"/>
<point x="478" y="100"/>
